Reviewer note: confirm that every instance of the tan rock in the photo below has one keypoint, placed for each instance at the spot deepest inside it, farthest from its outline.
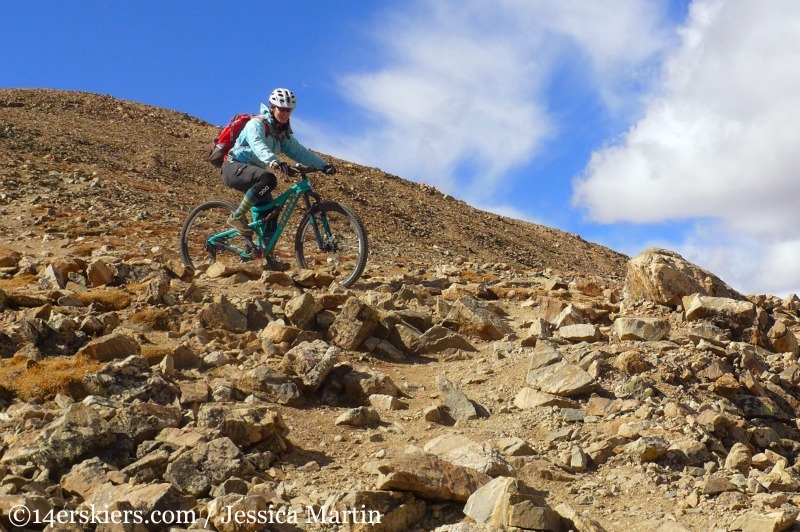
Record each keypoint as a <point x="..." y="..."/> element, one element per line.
<point x="302" y="310"/>
<point x="562" y="379"/>
<point x="9" y="258"/>
<point x="311" y="362"/>
<point x="531" y="398"/>
<point x="110" y="347"/>
<point x="384" y="511"/>
<point x="463" y="451"/>
<point x="244" y="424"/>
<point x="733" y="313"/>
<point x="509" y="502"/>
<point x="580" y="332"/>
<point x="475" y="318"/>
<point x="664" y="277"/>
<point x="222" y="314"/>
<point x="641" y="328"/>
<point x="771" y="521"/>
<point x="354" y="324"/>
<point x="99" y="273"/>
<point x="430" y="477"/>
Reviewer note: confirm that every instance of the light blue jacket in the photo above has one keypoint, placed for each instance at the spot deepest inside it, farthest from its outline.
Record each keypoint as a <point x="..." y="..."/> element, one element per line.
<point x="254" y="147"/>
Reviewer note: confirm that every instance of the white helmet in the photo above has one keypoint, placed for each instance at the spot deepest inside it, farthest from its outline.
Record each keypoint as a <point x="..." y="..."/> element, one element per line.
<point x="283" y="98"/>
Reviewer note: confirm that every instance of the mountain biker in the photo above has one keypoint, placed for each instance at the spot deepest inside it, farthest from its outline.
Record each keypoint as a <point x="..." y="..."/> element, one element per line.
<point x="255" y="153"/>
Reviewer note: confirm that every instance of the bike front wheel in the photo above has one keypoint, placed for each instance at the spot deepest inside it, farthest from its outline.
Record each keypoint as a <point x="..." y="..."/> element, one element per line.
<point x="206" y="237"/>
<point x="332" y="239"/>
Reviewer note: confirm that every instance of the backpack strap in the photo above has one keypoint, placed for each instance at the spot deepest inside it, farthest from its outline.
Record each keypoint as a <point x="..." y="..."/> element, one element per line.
<point x="265" y="122"/>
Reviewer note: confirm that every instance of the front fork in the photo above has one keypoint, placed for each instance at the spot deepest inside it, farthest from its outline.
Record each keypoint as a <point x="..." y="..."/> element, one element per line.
<point x="313" y="210"/>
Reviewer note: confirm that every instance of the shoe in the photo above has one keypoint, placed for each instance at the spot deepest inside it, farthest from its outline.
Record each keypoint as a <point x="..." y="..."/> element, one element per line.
<point x="240" y="224"/>
<point x="271" y="263"/>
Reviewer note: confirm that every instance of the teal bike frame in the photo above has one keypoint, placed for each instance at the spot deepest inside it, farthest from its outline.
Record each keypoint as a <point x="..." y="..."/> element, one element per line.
<point x="286" y="203"/>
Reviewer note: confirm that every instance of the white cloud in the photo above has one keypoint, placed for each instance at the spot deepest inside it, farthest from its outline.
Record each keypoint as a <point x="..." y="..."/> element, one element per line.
<point x="461" y="97"/>
<point x="719" y="141"/>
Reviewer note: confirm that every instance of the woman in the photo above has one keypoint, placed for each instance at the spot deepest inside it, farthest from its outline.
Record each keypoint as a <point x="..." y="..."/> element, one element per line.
<point x="256" y="151"/>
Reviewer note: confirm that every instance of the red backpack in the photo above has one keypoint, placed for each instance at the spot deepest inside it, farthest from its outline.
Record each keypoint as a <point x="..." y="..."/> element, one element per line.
<point x="218" y="152"/>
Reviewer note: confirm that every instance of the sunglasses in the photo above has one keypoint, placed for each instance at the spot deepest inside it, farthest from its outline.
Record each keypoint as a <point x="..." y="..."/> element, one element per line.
<point x="285" y="109"/>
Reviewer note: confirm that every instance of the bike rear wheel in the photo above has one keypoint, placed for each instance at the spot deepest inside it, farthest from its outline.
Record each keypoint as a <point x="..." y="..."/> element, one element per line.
<point x="206" y="220"/>
<point x="332" y="239"/>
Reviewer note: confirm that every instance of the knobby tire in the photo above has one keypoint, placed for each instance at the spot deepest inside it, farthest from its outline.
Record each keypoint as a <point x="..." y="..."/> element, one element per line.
<point x="347" y="249"/>
<point x="207" y="219"/>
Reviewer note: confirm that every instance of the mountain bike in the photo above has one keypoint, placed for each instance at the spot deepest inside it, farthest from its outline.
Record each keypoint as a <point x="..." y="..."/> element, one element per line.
<point x="330" y="237"/>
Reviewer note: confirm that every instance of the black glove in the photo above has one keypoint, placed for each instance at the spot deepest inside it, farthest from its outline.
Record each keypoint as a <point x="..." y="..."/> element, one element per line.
<point x="279" y="165"/>
<point x="328" y="169"/>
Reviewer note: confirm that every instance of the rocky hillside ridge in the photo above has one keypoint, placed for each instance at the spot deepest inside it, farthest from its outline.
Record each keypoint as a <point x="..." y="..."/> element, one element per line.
<point x="442" y="392"/>
<point x="139" y="169"/>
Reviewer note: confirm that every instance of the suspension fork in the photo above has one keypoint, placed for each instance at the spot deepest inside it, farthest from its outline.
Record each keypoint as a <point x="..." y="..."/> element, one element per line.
<point x="313" y="209"/>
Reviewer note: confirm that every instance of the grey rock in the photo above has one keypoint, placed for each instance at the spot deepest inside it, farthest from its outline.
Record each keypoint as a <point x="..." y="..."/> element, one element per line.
<point x="458" y="404"/>
<point x="78" y="431"/>
<point x="311" y="362"/>
<point x="195" y="471"/>
<point x="439" y="338"/>
<point x="131" y="379"/>
<point x="641" y="328"/>
<point x="270" y="385"/>
<point x="722" y="311"/>
<point x="385" y="348"/>
<point x="360" y="384"/>
<point x="143" y="421"/>
<point x="359" y="417"/>
<point x="244" y="424"/>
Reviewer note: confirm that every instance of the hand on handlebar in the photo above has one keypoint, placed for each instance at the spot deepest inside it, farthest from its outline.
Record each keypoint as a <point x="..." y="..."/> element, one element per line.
<point x="280" y="165"/>
<point x="301" y="169"/>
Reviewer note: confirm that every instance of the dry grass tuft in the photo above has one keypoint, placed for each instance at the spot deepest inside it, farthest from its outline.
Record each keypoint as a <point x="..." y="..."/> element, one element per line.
<point x="109" y="299"/>
<point x="154" y="354"/>
<point x="18" y="281"/>
<point x="43" y="379"/>
<point x="159" y="319"/>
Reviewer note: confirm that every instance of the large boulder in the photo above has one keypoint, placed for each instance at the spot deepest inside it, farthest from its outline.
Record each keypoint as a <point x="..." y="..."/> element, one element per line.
<point x="664" y="277"/>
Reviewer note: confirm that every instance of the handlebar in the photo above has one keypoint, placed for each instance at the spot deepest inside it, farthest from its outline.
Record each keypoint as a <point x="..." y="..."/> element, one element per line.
<point x="301" y="170"/>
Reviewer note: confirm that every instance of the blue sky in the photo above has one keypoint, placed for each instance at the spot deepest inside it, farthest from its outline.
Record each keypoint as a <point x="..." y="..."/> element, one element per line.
<point x="633" y="124"/>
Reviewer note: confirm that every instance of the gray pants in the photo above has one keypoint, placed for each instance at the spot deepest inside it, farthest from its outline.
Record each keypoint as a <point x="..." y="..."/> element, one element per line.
<point x="256" y="182"/>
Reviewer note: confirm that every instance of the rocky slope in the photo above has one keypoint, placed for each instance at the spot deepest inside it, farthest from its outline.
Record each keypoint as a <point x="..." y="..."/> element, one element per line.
<point x="151" y="172"/>
<point x="486" y="374"/>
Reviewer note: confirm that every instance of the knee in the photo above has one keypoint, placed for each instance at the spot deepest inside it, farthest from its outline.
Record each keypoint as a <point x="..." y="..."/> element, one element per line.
<point x="265" y="184"/>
